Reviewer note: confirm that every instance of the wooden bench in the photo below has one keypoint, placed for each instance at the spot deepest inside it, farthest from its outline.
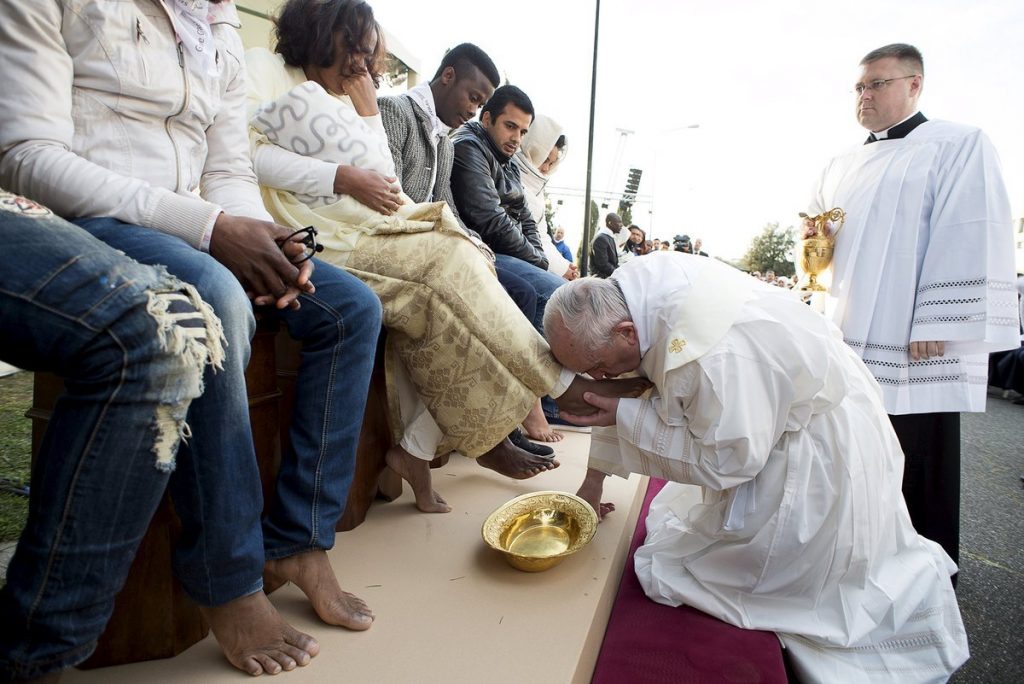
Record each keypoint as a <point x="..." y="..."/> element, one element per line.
<point x="153" y="618"/>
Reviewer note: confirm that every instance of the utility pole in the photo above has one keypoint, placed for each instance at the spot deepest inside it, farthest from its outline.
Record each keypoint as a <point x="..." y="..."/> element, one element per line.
<point x="585" y="252"/>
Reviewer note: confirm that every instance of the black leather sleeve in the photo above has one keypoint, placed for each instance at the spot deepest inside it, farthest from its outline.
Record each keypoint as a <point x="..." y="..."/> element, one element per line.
<point x="445" y="159"/>
<point x="479" y="205"/>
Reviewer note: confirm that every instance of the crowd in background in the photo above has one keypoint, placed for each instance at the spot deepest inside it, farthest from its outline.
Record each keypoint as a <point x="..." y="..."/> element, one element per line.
<point x="787" y="283"/>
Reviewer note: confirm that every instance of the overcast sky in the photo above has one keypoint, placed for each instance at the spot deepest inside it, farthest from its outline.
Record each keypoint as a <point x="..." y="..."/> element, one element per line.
<point x="768" y="83"/>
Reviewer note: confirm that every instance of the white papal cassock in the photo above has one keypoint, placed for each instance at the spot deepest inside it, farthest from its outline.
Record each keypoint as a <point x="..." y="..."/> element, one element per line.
<point x="926" y="254"/>
<point x="801" y="528"/>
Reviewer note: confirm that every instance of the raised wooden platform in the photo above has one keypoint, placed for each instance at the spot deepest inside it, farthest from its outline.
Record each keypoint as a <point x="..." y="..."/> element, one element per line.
<point x="449" y="609"/>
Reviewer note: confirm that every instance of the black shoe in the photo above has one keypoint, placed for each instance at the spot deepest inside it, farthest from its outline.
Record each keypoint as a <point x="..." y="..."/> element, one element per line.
<point x="519" y="439"/>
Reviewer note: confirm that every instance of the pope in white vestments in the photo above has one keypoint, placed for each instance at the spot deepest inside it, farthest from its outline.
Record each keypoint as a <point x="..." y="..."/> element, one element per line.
<point x="798" y="525"/>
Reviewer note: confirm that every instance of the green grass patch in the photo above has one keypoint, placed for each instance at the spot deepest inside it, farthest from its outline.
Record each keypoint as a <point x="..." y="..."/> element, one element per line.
<point x="15" y="451"/>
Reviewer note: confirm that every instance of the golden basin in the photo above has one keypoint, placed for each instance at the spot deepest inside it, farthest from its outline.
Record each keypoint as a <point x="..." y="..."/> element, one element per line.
<point x="537" y="531"/>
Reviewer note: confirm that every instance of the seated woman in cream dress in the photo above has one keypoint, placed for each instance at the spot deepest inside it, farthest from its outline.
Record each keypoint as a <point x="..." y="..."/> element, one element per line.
<point x="463" y="364"/>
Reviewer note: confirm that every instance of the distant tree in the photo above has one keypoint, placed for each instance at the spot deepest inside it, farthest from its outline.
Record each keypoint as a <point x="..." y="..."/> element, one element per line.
<point x="625" y="213"/>
<point x="549" y="216"/>
<point x="772" y="250"/>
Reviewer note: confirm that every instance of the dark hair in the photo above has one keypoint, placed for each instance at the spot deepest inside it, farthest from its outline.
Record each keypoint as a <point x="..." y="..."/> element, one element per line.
<point x="908" y="54"/>
<point x="630" y="246"/>
<point x="507" y="95"/>
<point x="560" y="143"/>
<point x="307" y="33"/>
<point x="466" y="55"/>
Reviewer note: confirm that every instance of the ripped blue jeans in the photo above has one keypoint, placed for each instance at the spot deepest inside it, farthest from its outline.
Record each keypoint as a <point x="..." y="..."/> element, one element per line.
<point x="132" y="342"/>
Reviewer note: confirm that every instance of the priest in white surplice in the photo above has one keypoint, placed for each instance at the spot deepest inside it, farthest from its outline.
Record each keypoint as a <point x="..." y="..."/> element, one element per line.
<point x="798" y="525"/>
<point x="922" y="279"/>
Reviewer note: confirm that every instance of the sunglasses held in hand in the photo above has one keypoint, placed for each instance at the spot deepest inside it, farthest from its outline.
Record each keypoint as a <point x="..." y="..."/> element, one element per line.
<point x="308" y="241"/>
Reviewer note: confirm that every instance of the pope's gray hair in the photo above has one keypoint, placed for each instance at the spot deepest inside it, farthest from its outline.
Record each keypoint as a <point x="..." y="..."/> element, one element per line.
<point x="589" y="308"/>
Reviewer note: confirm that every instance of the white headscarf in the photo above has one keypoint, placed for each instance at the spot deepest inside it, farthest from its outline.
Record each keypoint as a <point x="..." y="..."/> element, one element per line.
<point x="192" y="24"/>
<point x="536" y="147"/>
<point x="538" y="141"/>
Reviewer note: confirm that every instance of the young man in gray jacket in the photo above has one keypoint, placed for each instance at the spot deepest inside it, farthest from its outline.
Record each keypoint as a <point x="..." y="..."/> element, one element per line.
<point x="419" y="121"/>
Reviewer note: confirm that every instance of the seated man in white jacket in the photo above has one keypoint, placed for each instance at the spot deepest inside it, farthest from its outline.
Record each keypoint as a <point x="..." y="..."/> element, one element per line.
<point x="799" y="525"/>
<point x="128" y="118"/>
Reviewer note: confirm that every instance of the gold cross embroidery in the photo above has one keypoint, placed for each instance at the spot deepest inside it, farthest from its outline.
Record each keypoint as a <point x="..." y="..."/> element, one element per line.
<point x="677" y="345"/>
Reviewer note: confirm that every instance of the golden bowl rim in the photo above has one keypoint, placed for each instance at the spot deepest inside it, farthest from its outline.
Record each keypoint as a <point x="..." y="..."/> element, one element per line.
<point x="590" y="531"/>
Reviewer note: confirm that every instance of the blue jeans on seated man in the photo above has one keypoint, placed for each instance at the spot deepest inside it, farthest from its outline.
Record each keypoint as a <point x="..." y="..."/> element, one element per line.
<point x="216" y="487"/>
<point x="543" y="283"/>
<point x="131" y="342"/>
<point x="521" y="292"/>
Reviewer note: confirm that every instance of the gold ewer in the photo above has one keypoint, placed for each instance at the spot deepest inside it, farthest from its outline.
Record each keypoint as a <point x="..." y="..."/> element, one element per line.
<point x="816" y="251"/>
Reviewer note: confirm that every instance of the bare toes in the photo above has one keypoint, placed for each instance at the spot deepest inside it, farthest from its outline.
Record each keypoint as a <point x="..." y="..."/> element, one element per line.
<point x="357" y="604"/>
<point x="307" y="646"/>
<point x="438" y="505"/>
<point x="283" y="659"/>
<point x="298" y="656"/>
<point x="546" y="436"/>
<point x="266" y="663"/>
<point x="250" y="665"/>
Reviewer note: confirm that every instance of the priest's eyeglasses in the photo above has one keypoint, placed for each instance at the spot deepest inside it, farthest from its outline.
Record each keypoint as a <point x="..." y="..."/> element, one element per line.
<point x="878" y="84"/>
<point x="309" y="244"/>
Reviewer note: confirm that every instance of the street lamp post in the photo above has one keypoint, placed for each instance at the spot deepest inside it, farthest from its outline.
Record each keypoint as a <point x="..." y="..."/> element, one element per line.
<point x="585" y="251"/>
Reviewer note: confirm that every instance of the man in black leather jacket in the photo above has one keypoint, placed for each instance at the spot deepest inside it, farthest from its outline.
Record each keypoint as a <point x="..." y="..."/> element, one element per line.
<point x="489" y="194"/>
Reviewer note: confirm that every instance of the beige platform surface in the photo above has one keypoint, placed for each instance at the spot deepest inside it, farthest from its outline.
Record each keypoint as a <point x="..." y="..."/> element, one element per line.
<point x="449" y="609"/>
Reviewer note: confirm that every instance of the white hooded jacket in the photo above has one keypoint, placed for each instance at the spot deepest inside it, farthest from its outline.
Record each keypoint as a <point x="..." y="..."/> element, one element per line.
<point x="108" y="116"/>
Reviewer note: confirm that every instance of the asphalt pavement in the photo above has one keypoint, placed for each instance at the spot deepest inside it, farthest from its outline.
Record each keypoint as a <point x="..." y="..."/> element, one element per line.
<point x="991" y="583"/>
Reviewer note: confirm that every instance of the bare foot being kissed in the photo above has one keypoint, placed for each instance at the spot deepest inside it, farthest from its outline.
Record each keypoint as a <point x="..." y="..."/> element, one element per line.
<point x="416" y="472"/>
<point x="572" y="401"/>
<point x="256" y="639"/>
<point x="311" y="572"/>
<point x="511" y="461"/>
<point x="536" y="426"/>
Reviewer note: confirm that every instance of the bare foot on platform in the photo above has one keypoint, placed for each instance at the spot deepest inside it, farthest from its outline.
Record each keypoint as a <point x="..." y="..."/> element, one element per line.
<point x="511" y="461"/>
<point x="572" y="401"/>
<point x="536" y="426"/>
<point x="256" y="639"/>
<point x="416" y="472"/>
<point x="311" y="572"/>
<point x="591" y="491"/>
